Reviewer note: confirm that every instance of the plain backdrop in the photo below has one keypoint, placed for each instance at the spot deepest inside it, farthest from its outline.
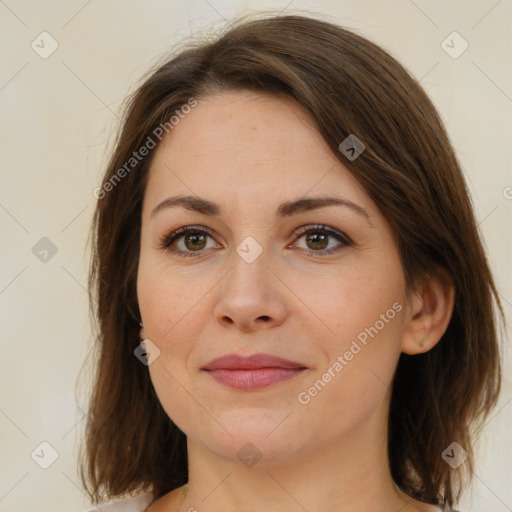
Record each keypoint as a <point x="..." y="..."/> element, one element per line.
<point x="58" y="115"/>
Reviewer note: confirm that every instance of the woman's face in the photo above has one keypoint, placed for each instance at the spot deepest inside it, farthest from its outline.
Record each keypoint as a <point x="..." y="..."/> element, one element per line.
<point x="268" y="272"/>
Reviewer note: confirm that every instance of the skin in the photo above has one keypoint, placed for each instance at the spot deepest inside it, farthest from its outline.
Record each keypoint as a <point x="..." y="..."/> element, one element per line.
<point x="250" y="152"/>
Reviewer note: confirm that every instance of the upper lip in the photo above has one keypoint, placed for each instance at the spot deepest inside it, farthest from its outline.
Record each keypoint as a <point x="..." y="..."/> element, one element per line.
<point x="252" y="362"/>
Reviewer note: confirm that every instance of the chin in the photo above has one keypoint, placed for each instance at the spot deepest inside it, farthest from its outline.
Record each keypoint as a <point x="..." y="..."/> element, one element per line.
<point x="260" y="441"/>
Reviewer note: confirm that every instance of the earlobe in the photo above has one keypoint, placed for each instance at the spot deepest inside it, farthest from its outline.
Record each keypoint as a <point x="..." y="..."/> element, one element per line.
<point x="429" y="313"/>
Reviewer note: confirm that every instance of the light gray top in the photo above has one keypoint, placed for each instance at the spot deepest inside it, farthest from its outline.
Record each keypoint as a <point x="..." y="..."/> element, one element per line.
<point x="137" y="504"/>
<point x="140" y="503"/>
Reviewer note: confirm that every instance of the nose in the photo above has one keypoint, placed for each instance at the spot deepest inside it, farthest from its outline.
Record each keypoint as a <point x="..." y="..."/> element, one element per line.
<point x="251" y="297"/>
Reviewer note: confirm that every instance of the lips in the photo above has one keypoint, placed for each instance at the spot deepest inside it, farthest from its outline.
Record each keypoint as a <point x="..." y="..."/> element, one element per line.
<point x="256" y="361"/>
<point x="257" y="371"/>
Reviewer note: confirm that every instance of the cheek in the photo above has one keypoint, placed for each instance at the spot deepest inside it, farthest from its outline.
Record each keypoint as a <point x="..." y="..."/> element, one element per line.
<point x="358" y="298"/>
<point x="174" y="305"/>
<point x="364" y="310"/>
<point x="360" y="363"/>
<point x="170" y="300"/>
<point x="169" y="323"/>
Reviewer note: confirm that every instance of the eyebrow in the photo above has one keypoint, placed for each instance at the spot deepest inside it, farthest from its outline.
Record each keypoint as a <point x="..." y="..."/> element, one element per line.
<point x="286" y="209"/>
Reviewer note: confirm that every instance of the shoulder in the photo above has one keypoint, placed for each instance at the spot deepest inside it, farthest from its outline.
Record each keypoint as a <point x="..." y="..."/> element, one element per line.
<point x="136" y="504"/>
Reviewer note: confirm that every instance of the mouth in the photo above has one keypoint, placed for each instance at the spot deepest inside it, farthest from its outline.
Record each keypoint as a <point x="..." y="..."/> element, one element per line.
<point x="252" y="372"/>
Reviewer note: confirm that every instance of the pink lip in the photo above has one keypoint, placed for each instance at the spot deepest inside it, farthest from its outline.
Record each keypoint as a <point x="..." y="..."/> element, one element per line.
<point x="252" y="372"/>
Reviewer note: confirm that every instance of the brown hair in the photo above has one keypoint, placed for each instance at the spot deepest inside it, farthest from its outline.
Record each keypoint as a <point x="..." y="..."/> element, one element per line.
<point x="348" y="85"/>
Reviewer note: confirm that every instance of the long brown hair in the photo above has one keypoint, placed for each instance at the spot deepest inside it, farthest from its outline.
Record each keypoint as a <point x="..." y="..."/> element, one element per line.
<point x="349" y="85"/>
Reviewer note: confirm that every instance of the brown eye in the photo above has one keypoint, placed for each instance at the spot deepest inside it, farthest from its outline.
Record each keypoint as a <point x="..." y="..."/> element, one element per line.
<point x="194" y="241"/>
<point x="189" y="241"/>
<point x="317" y="241"/>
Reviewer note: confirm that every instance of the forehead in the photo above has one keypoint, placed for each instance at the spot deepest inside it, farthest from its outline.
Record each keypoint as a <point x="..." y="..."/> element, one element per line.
<point x="256" y="147"/>
<point x="245" y="124"/>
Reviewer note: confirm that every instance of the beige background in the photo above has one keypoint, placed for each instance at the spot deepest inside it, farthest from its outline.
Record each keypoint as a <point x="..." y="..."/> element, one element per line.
<point x="58" y="115"/>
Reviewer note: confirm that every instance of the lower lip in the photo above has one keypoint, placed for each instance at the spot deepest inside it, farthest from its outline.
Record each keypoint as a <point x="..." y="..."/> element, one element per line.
<point x="254" y="379"/>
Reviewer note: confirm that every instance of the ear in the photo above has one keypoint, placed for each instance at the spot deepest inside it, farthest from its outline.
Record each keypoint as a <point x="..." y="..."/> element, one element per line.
<point x="429" y="311"/>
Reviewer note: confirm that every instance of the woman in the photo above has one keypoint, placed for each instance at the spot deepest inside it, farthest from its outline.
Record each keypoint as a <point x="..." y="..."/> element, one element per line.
<point x="285" y="229"/>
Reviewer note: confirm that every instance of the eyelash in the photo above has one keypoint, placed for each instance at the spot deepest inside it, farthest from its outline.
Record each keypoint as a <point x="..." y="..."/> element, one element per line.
<point x="167" y="241"/>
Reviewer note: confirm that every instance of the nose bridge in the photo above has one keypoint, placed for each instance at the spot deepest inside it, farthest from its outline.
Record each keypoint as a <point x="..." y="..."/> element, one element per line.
<point x="247" y="294"/>
<point x="249" y="272"/>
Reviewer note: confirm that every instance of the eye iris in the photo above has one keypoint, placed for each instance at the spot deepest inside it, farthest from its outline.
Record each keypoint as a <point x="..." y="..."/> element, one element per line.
<point x="194" y="238"/>
<point x="317" y="238"/>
